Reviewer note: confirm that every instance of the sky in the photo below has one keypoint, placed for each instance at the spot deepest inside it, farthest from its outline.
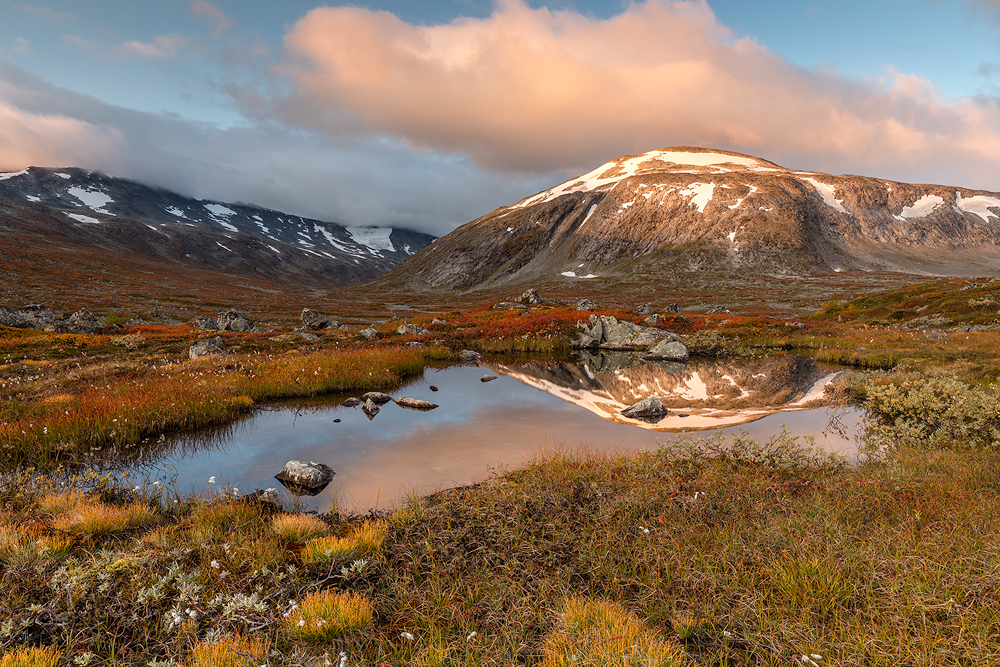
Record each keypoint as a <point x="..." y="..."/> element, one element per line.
<point x="429" y="114"/>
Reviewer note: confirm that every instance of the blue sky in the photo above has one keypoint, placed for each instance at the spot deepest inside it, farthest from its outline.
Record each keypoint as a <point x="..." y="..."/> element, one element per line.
<point x="429" y="114"/>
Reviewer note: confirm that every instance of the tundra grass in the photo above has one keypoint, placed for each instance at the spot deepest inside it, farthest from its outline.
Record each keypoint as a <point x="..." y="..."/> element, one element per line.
<point x="750" y="554"/>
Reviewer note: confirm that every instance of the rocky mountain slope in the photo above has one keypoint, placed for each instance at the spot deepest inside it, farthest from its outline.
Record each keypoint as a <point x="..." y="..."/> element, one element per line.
<point x="695" y="210"/>
<point x="104" y="217"/>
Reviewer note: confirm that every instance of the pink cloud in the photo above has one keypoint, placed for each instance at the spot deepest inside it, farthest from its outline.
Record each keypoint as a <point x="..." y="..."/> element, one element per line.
<point x="32" y="139"/>
<point x="538" y="89"/>
<point x="221" y="20"/>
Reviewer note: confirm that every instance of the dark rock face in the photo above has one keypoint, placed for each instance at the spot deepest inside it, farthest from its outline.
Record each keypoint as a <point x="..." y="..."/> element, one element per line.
<point x="231" y="320"/>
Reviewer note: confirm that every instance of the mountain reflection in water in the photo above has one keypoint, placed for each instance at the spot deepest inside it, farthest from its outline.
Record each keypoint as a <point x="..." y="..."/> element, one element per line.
<point x="483" y="427"/>
<point x="705" y="394"/>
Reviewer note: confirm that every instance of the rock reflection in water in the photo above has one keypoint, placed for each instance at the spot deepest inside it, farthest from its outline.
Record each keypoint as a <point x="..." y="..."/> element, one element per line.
<point x="703" y="394"/>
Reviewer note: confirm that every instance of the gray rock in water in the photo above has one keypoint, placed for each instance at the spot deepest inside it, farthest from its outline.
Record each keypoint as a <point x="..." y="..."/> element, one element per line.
<point x="305" y="478"/>
<point x="644" y="309"/>
<point x="231" y="320"/>
<point x="468" y="356"/>
<point x="377" y="397"/>
<point x="368" y="333"/>
<point x="370" y="409"/>
<point x="668" y="350"/>
<point x="207" y="348"/>
<point x="607" y="333"/>
<point x="415" y="403"/>
<point x="407" y="329"/>
<point x="531" y="296"/>
<point x="352" y="401"/>
<point x="586" y="304"/>
<point x="645" y="409"/>
<point x="206" y="323"/>
<point x="488" y="378"/>
<point x="84" y="318"/>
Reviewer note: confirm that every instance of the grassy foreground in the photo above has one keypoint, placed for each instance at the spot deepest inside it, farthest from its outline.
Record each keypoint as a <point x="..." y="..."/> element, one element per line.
<point x="761" y="554"/>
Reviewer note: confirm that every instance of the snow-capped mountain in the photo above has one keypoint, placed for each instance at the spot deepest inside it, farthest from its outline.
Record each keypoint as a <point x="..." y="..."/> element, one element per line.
<point x="250" y="235"/>
<point x="693" y="209"/>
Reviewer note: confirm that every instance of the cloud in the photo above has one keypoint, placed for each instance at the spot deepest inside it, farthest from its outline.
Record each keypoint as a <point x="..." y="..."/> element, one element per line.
<point x="22" y="46"/>
<point x="360" y="182"/>
<point x="537" y="90"/>
<point x="162" y="47"/>
<point x="221" y="20"/>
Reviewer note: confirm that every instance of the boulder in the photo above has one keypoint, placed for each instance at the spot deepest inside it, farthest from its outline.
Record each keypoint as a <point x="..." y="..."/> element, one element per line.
<point x="586" y="304"/>
<point x="370" y="409"/>
<point x="415" y="343"/>
<point x="718" y="310"/>
<point x="488" y="378"/>
<point x="407" y="329"/>
<point x="668" y="350"/>
<point x="206" y="323"/>
<point x="33" y="316"/>
<point x="607" y="333"/>
<point x="437" y="321"/>
<point x="368" y="333"/>
<point x="352" y="401"/>
<point x="673" y="308"/>
<point x="377" y="397"/>
<point x="415" y="403"/>
<point x="469" y="356"/>
<point x="231" y="320"/>
<point x="651" y="320"/>
<point x="207" y="348"/>
<point x="645" y="409"/>
<point x="313" y="321"/>
<point x="136" y="321"/>
<point x="84" y="318"/>
<point x="644" y="309"/>
<point x="531" y="296"/>
<point x="509" y="305"/>
<point x="305" y="478"/>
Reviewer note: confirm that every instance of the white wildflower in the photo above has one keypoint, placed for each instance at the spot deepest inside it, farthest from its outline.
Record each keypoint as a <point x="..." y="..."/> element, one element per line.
<point x="471" y="635"/>
<point x="215" y="564"/>
<point x="211" y="480"/>
<point x="406" y="635"/>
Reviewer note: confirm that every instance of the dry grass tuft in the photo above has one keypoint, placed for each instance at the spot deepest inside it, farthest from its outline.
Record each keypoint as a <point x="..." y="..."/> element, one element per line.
<point x="96" y="519"/>
<point x="603" y="634"/>
<point x="60" y="503"/>
<point x="298" y="527"/>
<point x="233" y="651"/>
<point x="32" y="656"/>
<point x="364" y="540"/>
<point x="324" y="616"/>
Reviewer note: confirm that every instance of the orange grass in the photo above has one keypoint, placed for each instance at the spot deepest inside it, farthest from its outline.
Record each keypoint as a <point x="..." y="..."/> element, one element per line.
<point x="151" y="401"/>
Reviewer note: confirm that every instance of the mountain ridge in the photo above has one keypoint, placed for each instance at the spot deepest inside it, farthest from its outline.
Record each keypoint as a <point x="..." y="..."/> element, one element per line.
<point x="695" y="209"/>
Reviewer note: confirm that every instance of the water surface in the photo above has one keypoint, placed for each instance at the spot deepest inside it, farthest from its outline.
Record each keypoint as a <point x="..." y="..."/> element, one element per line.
<point x="481" y="428"/>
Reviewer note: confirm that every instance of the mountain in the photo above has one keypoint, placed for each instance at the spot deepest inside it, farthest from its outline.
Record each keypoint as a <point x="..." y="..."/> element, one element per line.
<point x="689" y="210"/>
<point x="90" y="213"/>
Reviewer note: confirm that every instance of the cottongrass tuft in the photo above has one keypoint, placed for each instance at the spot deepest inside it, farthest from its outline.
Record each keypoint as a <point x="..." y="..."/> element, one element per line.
<point x="32" y="656"/>
<point x="298" y="527"/>
<point x="235" y="651"/>
<point x="364" y="540"/>
<point x="326" y="615"/>
<point x="602" y="634"/>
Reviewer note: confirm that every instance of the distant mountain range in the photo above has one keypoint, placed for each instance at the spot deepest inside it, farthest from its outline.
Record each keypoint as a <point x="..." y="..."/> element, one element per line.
<point x="689" y="210"/>
<point x="91" y="213"/>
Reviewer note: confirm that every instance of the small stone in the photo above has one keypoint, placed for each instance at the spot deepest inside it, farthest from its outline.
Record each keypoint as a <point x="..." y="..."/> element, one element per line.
<point x="415" y="343"/>
<point x="336" y="421"/>
<point x="531" y="296"/>
<point x="644" y="309"/>
<point x="309" y="475"/>
<point x="509" y="305"/>
<point x="368" y="333"/>
<point x="649" y="407"/>
<point x="231" y="320"/>
<point x="314" y="321"/>
<point x="433" y="388"/>
<point x="468" y="356"/>
<point x="652" y="320"/>
<point x="377" y="397"/>
<point x="351" y="402"/>
<point x="207" y="348"/>
<point x="407" y="329"/>
<point x="586" y="304"/>
<point x="673" y="308"/>
<point x="438" y="321"/>
<point x="415" y="403"/>
<point x="370" y="410"/>
<point x="488" y="378"/>
<point x="668" y="350"/>
<point x="205" y="323"/>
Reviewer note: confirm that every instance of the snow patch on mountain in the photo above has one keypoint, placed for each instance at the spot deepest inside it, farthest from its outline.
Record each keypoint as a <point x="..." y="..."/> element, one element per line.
<point x="700" y="194"/>
<point x="95" y="200"/>
<point x="11" y="174"/>
<point x="376" y="238"/>
<point x="79" y="217"/>
<point x="979" y="205"/>
<point x="173" y="210"/>
<point x="827" y="192"/>
<point x="921" y="208"/>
